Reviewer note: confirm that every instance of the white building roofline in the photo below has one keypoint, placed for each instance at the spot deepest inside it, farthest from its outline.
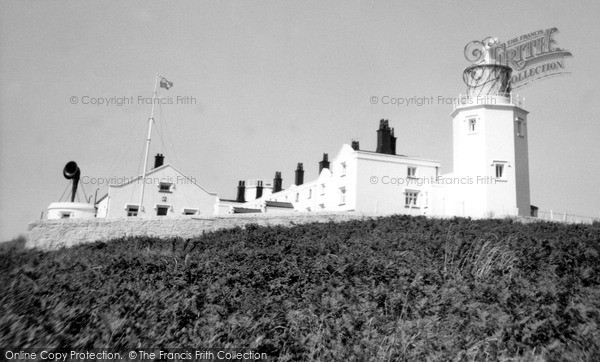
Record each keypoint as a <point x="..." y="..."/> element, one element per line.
<point x="154" y="170"/>
<point x="346" y="148"/>
<point x="400" y="158"/>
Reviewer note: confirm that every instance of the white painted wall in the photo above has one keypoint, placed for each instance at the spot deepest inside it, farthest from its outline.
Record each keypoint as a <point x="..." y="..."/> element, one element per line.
<point x="494" y="140"/>
<point x="251" y="186"/>
<point x="382" y="183"/>
<point x="74" y="210"/>
<point x="102" y="208"/>
<point x="384" y="197"/>
<point x="185" y="194"/>
<point x="324" y="193"/>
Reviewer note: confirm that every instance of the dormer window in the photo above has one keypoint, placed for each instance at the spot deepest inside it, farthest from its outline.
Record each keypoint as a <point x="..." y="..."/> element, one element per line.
<point x="165" y="187"/>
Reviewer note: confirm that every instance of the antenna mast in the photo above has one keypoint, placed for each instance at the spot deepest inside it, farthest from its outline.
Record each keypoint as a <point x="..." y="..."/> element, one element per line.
<point x="150" y="121"/>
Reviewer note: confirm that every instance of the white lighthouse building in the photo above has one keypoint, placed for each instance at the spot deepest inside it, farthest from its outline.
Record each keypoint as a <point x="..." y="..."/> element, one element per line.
<point x="491" y="163"/>
<point x="491" y="167"/>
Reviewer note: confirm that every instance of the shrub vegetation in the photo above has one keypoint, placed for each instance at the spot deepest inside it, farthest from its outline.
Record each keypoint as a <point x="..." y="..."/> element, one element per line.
<point x="389" y="289"/>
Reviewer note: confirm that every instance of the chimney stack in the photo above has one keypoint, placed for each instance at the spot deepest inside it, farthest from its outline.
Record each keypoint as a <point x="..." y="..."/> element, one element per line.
<point x="277" y="181"/>
<point x="159" y="159"/>
<point x="259" y="189"/>
<point x="386" y="142"/>
<point x="299" y="174"/>
<point x="324" y="164"/>
<point x="355" y="145"/>
<point x="241" y="192"/>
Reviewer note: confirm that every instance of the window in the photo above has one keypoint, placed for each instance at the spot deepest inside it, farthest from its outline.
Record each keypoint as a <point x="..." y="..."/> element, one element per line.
<point x="520" y="127"/>
<point x="322" y="189"/>
<point x="343" y="169"/>
<point x="190" y="211"/>
<point x="410" y="198"/>
<point x="342" y="195"/>
<point x="472" y="125"/>
<point x="309" y="193"/>
<point x="65" y="215"/>
<point x="164" y="187"/>
<point x="411" y="172"/>
<point x="162" y="210"/>
<point x="499" y="170"/>
<point x="297" y="196"/>
<point x="132" y="210"/>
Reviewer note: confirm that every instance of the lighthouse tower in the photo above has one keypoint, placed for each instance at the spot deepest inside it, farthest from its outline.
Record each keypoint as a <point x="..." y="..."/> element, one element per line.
<point x="490" y="144"/>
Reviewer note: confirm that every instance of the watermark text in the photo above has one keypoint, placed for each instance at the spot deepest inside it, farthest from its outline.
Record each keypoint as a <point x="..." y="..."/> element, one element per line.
<point x="419" y="101"/>
<point x="120" y="101"/>
<point x="439" y="180"/>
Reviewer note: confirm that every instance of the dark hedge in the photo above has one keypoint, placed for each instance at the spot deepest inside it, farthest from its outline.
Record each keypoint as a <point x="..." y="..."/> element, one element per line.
<point x="389" y="289"/>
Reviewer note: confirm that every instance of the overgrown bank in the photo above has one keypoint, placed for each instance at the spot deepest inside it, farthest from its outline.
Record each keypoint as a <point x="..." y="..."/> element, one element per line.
<point x="388" y="289"/>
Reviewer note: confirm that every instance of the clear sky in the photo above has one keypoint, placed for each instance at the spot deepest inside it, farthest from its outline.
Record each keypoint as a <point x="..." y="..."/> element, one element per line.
<point x="275" y="83"/>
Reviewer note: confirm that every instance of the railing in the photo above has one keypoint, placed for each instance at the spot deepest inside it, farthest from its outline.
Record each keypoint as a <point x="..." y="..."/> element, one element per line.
<point x="564" y="217"/>
<point x="464" y="100"/>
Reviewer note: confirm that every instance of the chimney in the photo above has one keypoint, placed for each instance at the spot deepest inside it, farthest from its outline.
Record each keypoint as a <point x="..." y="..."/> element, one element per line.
<point x="324" y="164"/>
<point x="299" y="174"/>
<point x="158" y="160"/>
<point x="241" y="192"/>
<point x="355" y="145"/>
<point x="393" y="142"/>
<point x="384" y="143"/>
<point x="259" y="189"/>
<point x="277" y="181"/>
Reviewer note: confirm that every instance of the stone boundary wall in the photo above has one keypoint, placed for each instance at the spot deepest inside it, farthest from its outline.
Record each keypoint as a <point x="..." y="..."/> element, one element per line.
<point x="55" y="234"/>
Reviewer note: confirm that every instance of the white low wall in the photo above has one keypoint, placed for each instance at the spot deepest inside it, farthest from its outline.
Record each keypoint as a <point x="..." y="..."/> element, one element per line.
<point x="55" y="234"/>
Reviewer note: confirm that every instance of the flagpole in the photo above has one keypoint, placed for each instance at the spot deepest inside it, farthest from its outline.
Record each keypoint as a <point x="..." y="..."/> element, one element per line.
<point x="150" y="121"/>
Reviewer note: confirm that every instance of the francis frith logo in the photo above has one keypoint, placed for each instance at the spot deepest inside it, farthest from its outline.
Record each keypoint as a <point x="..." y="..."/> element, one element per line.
<point x="532" y="56"/>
